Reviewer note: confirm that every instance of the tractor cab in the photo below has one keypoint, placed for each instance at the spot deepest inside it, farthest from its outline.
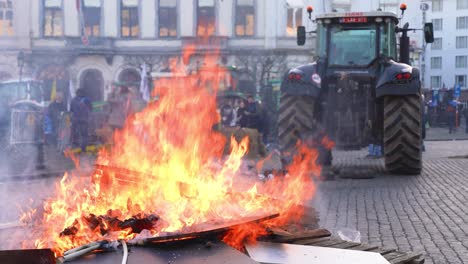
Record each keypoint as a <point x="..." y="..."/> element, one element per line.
<point x="356" y="39"/>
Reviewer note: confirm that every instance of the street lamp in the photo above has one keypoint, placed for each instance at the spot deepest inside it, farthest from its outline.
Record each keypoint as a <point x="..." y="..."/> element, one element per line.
<point x="20" y="59"/>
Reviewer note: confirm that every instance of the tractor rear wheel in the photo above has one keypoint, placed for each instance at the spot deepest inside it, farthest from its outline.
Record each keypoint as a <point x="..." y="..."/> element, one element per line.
<point x="403" y="134"/>
<point x="296" y="118"/>
<point x="297" y="121"/>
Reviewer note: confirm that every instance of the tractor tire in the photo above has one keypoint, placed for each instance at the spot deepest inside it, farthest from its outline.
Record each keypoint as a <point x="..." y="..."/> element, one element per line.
<point x="403" y="134"/>
<point x="296" y="118"/>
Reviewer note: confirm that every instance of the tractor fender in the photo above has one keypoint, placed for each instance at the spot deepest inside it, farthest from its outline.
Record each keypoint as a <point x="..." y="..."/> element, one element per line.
<point x="388" y="84"/>
<point x="309" y="83"/>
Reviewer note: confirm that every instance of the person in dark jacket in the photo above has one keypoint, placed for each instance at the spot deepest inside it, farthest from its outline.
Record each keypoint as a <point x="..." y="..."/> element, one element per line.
<point x="251" y="113"/>
<point x="55" y="110"/>
<point x="81" y="110"/>
<point x="465" y="114"/>
<point x="241" y="116"/>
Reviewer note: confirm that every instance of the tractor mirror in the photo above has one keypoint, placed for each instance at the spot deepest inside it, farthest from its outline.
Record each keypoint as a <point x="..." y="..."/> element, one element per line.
<point x="301" y="35"/>
<point x="429" y="32"/>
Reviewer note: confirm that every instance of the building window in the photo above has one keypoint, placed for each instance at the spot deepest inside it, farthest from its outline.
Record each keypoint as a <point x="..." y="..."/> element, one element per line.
<point x="294" y="20"/>
<point x="462" y="42"/>
<point x="437" y="44"/>
<point x="53" y="18"/>
<point x="130" y="24"/>
<point x="438" y="24"/>
<point x="462" y="22"/>
<point x="436" y="81"/>
<point x="461" y="80"/>
<point x="462" y="4"/>
<point x="437" y="5"/>
<point x="245" y="18"/>
<point x="206" y="18"/>
<point x="167" y="18"/>
<point x="92" y="17"/>
<point x="6" y="18"/>
<point x="460" y="61"/>
<point x="436" y="63"/>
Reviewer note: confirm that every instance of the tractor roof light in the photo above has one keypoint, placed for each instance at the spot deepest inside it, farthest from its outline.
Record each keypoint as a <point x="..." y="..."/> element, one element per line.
<point x="378" y="19"/>
<point x="327" y="21"/>
<point x="403" y="7"/>
<point x="310" y="9"/>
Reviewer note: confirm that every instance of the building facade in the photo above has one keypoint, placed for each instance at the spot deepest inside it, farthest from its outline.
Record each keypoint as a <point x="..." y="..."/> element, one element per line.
<point x="93" y="44"/>
<point x="447" y="57"/>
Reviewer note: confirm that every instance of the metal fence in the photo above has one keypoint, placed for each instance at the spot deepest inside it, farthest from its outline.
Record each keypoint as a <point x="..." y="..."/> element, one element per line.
<point x="26" y="126"/>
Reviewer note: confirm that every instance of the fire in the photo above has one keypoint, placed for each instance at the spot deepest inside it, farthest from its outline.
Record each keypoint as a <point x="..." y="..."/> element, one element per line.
<point x="167" y="163"/>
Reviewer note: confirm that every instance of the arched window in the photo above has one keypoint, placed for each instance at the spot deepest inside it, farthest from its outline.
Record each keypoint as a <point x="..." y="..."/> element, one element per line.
<point x="130" y="77"/>
<point x="92" y="84"/>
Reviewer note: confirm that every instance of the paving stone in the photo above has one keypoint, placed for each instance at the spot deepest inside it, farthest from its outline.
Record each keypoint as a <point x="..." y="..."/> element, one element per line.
<point x="426" y="213"/>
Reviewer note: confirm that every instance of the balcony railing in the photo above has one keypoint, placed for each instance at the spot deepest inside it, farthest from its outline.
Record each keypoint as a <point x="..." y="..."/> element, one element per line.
<point x="206" y="43"/>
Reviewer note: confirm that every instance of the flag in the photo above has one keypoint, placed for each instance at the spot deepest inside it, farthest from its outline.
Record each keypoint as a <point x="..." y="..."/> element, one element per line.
<point x="53" y="92"/>
<point x="71" y="94"/>
<point x="144" y="89"/>
<point x="84" y="34"/>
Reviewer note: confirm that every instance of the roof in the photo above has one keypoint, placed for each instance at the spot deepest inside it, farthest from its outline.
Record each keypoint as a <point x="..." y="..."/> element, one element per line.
<point x="358" y="14"/>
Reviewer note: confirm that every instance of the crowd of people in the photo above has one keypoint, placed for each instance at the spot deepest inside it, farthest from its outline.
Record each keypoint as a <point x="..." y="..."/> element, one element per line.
<point x="122" y="102"/>
<point x="239" y="113"/>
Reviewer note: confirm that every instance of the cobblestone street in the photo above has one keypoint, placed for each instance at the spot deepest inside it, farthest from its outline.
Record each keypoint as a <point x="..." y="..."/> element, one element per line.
<point x="426" y="213"/>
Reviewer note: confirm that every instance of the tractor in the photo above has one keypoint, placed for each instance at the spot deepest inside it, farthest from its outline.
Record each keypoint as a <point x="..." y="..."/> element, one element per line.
<point x="359" y="90"/>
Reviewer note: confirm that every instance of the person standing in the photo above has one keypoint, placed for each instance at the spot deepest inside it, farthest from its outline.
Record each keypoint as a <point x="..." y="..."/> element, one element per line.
<point x="451" y="108"/>
<point x="465" y="114"/>
<point x="55" y="110"/>
<point x="120" y="108"/>
<point x="251" y="112"/>
<point x="241" y="116"/>
<point x="81" y="110"/>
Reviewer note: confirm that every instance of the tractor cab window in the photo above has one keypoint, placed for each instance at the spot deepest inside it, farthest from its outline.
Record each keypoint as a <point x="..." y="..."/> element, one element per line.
<point x="321" y="40"/>
<point x="352" y="45"/>
<point x="388" y="39"/>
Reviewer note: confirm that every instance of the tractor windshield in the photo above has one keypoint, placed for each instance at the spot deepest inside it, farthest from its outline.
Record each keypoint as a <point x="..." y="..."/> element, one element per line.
<point x="352" y="45"/>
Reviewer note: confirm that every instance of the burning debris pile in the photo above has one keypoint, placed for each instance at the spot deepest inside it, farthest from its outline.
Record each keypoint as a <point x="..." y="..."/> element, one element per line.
<point x="176" y="179"/>
<point x="110" y="222"/>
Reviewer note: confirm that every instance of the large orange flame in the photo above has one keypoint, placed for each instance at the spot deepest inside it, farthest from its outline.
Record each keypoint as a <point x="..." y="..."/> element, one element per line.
<point x="175" y="170"/>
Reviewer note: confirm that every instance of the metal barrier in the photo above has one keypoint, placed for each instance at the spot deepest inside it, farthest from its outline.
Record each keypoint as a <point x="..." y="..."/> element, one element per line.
<point x="27" y="123"/>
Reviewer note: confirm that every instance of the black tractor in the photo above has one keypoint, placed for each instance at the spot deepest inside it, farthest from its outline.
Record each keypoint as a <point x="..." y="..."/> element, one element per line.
<point x="359" y="90"/>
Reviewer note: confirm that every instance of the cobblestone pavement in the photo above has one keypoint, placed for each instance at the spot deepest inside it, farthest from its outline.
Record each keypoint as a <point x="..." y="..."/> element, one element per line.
<point x="426" y="213"/>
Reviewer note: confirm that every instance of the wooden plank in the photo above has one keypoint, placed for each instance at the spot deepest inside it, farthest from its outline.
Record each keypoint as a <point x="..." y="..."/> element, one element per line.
<point x="328" y="243"/>
<point x="393" y="255"/>
<point x="383" y="250"/>
<point x="317" y="233"/>
<point x="312" y="241"/>
<point x="346" y="245"/>
<point x="405" y="259"/>
<point x="364" y="247"/>
<point x="208" y="230"/>
<point x="279" y="232"/>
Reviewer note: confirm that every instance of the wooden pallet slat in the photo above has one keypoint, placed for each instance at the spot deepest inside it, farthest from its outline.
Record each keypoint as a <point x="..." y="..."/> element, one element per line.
<point x="406" y="258"/>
